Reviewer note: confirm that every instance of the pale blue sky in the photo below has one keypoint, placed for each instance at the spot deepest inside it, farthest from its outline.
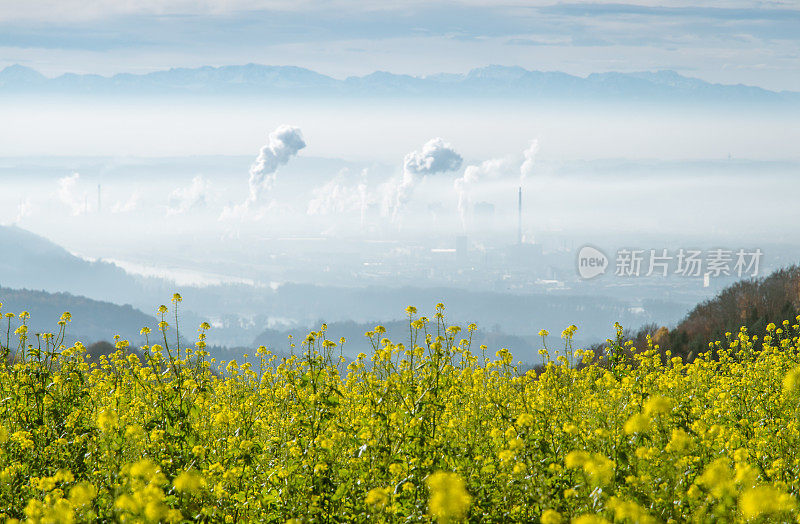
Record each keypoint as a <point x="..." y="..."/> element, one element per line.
<point x="731" y="41"/>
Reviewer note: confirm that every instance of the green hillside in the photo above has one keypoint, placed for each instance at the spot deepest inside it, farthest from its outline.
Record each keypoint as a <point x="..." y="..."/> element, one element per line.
<point x="93" y="320"/>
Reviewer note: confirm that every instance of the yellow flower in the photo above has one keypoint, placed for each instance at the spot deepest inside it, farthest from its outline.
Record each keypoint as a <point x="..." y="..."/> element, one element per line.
<point x="272" y="421"/>
<point x="377" y="498"/>
<point x="765" y="501"/>
<point x="569" y="332"/>
<point x="144" y="469"/>
<point x="59" y="511"/>
<point x="189" y="482"/>
<point x="127" y="503"/>
<point x="576" y="459"/>
<point x="525" y="419"/>
<point x="791" y="382"/>
<point x="600" y="469"/>
<point x="551" y="516"/>
<point x="657" y="405"/>
<point x="746" y="475"/>
<point x="46" y="484"/>
<point x="590" y="519"/>
<point x="82" y="493"/>
<point x="717" y="478"/>
<point x="629" y="511"/>
<point x="154" y="511"/>
<point x="506" y="455"/>
<point x="680" y="441"/>
<point x="23" y="438"/>
<point x="64" y="475"/>
<point x="638" y="423"/>
<point x="449" y="499"/>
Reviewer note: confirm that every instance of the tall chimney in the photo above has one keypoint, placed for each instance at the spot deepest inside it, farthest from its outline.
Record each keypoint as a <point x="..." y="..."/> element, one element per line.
<point x="519" y="218"/>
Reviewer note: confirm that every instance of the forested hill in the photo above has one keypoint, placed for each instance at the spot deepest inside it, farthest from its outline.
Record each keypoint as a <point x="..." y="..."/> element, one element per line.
<point x="29" y="261"/>
<point x="753" y="304"/>
<point x="92" y="320"/>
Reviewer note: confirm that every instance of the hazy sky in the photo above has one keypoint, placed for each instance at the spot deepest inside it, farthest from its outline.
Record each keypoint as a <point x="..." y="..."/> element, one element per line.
<point x="729" y="41"/>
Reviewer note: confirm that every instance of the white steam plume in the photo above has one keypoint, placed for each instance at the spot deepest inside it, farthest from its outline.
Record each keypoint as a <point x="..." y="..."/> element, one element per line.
<point x="188" y="198"/>
<point x="362" y="195"/>
<point x="127" y="206"/>
<point x="491" y="169"/>
<point x="488" y="169"/>
<point x="24" y="209"/>
<point x="342" y="194"/>
<point x="66" y="194"/>
<point x="282" y="144"/>
<point x="436" y="156"/>
<point x="526" y="168"/>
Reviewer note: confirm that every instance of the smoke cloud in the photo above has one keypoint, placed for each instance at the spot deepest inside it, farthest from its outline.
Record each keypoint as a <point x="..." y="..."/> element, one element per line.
<point x="127" y="206"/>
<point x="489" y="169"/>
<point x="436" y="156"/>
<point x="189" y="198"/>
<point x="66" y="194"/>
<point x="342" y="194"/>
<point x="282" y="144"/>
<point x="526" y="169"/>
<point x="24" y="209"/>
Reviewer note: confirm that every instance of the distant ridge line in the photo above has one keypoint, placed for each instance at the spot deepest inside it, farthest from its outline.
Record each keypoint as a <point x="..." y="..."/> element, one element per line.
<point x="489" y="81"/>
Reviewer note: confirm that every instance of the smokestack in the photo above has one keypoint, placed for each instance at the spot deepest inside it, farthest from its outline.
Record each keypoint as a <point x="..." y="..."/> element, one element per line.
<point x="519" y="218"/>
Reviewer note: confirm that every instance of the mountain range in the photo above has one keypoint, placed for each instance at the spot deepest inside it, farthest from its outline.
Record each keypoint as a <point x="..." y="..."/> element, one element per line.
<point x="490" y="81"/>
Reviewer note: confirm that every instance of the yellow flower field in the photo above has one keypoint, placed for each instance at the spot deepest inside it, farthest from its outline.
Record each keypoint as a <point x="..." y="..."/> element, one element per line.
<point x="427" y="428"/>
